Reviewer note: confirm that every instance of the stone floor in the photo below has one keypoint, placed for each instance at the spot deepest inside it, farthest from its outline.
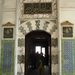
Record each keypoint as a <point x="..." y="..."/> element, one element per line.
<point x="36" y="71"/>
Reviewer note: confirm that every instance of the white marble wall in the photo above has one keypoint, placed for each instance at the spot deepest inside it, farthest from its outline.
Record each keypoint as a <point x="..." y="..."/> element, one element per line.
<point x="67" y="3"/>
<point x="67" y="11"/>
<point x="9" y="11"/>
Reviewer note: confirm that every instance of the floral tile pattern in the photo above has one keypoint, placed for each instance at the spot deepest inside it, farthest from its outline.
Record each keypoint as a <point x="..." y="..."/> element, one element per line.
<point x="7" y="58"/>
<point x="68" y="55"/>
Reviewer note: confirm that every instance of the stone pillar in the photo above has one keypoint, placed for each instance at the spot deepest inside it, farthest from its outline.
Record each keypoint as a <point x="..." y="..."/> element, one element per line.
<point x="1" y="15"/>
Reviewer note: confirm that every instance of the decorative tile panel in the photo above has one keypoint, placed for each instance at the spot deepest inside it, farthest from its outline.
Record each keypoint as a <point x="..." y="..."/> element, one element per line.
<point x="68" y="57"/>
<point x="7" y="58"/>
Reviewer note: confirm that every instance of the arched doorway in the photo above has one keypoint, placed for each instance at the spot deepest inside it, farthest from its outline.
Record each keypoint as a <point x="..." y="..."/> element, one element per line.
<point x="34" y="40"/>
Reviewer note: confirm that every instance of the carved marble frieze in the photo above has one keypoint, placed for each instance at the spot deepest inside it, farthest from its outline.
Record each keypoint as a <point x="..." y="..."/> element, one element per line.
<point x="46" y="25"/>
<point x="21" y="59"/>
<point x="52" y="15"/>
<point x="21" y="42"/>
<point x="22" y="30"/>
<point x="38" y="24"/>
<point x="29" y="25"/>
<point x="53" y="29"/>
<point x="54" y="42"/>
<point x="54" y="59"/>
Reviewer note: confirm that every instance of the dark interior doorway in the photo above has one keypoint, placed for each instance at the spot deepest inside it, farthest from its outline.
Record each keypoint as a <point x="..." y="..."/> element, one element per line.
<point x="37" y="41"/>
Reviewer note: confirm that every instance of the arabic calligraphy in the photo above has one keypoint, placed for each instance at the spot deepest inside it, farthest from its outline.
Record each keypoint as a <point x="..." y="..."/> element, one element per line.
<point x="37" y="8"/>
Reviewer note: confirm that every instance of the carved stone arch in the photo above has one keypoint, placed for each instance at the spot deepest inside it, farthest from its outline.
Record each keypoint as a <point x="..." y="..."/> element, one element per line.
<point x="38" y="24"/>
<point x="46" y="25"/>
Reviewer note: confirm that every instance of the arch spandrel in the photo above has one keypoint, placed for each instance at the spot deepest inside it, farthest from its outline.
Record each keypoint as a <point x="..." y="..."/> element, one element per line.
<point x="30" y="25"/>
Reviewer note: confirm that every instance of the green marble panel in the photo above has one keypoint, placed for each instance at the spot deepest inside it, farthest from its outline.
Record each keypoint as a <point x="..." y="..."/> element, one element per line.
<point x="7" y="57"/>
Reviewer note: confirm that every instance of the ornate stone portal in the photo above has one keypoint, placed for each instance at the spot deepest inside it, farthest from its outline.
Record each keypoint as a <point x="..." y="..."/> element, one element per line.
<point x="30" y="22"/>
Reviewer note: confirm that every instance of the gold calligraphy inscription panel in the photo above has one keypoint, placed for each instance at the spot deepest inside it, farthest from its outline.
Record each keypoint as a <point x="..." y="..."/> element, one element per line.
<point x="37" y="8"/>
